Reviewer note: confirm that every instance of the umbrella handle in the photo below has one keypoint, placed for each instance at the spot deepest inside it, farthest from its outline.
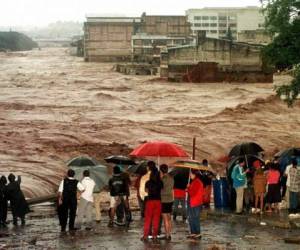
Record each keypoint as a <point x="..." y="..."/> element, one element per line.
<point x="186" y="194"/>
<point x="246" y="161"/>
<point x="189" y="180"/>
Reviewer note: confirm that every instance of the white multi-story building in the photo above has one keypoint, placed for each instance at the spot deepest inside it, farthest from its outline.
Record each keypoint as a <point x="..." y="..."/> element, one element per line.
<point x="217" y="21"/>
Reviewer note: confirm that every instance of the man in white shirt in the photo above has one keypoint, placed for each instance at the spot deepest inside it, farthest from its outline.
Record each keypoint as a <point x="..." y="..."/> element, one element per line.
<point x="67" y="200"/>
<point x="85" y="207"/>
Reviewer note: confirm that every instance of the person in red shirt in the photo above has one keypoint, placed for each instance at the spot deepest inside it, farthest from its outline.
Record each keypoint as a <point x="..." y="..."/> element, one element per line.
<point x="273" y="195"/>
<point x="195" y="199"/>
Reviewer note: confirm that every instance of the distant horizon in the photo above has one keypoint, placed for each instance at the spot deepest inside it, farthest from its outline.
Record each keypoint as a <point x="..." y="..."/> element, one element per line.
<point x="37" y="14"/>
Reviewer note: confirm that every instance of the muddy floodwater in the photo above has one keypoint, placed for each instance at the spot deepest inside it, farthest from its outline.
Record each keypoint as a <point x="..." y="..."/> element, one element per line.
<point x="54" y="106"/>
<point x="42" y="232"/>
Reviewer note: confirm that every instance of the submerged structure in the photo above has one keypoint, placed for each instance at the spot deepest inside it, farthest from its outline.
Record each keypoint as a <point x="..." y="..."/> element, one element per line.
<point x="215" y="60"/>
<point x="147" y="45"/>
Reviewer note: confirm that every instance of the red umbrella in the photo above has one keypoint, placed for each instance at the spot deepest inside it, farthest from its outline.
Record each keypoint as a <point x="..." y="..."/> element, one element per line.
<point x="159" y="149"/>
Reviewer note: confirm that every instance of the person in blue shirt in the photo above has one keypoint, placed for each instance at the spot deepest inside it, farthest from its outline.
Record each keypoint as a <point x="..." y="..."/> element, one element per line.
<point x="239" y="179"/>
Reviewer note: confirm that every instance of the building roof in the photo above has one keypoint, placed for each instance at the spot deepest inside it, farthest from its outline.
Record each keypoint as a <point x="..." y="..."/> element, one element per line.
<point x="144" y="36"/>
<point x="226" y="8"/>
<point x="257" y="46"/>
<point x="93" y="18"/>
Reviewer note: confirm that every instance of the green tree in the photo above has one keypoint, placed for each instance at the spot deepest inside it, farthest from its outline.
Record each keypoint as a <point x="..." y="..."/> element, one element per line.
<point x="283" y="23"/>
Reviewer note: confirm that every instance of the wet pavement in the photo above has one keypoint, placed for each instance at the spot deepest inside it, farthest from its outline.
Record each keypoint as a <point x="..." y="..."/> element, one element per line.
<point x="42" y="232"/>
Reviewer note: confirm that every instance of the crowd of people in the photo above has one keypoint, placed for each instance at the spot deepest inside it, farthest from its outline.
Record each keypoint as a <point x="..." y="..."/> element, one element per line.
<point x="161" y="196"/>
<point x="258" y="188"/>
<point x="157" y="195"/>
<point x="11" y="191"/>
<point x="264" y="186"/>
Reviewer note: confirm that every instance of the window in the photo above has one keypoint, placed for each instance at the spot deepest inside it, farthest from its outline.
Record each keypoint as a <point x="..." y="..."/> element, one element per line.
<point x="213" y="31"/>
<point x="205" y="17"/>
<point x="197" y="24"/>
<point x="213" y="18"/>
<point x="222" y="25"/>
<point x="232" y="25"/>
<point x="197" y="17"/>
<point x="223" y="18"/>
<point x="232" y="18"/>
<point x="213" y="25"/>
<point x="205" y="24"/>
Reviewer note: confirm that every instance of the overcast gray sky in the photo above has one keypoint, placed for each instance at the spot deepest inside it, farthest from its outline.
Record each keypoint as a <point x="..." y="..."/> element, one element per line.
<point x="42" y="12"/>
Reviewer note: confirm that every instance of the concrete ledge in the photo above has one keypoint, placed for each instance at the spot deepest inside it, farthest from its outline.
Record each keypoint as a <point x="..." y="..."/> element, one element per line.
<point x="263" y="220"/>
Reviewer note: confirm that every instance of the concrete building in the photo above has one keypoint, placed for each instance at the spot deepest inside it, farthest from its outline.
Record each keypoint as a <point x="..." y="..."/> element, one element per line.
<point x="158" y="33"/>
<point x="254" y="37"/>
<point x="108" y="39"/>
<point x="165" y="25"/>
<point x="138" y="38"/>
<point x="217" y="21"/>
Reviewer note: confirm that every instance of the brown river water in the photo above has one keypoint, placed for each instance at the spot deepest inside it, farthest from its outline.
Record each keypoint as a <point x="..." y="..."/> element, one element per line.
<point x="54" y="106"/>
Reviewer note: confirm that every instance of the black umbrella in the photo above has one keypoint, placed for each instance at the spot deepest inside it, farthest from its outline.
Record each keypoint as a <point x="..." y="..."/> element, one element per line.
<point x="290" y="152"/>
<point x="285" y="157"/>
<point x="181" y="176"/>
<point x="139" y="169"/>
<point x="245" y="148"/>
<point x="120" y="159"/>
<point x="82" y="161"/>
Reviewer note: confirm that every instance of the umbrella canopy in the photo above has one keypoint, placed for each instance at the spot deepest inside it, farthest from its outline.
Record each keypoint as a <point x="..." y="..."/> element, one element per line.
<point x="82" y="161"/>
<point x="97" y="173"/>
<point x="181" y="176"/>
<point x="290" y="152"/>
<point x="159" y="149"/>
<point x="191" y="164"/>
<point x="245" y="148"/>
<point x="285" y="157"/>
<point x="119" y="159"/>
<point x="139" y="169"/>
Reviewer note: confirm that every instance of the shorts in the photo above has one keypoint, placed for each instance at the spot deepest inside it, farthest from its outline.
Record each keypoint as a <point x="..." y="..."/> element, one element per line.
<point x="116" y="201"/>
<point x="166" y="208"/>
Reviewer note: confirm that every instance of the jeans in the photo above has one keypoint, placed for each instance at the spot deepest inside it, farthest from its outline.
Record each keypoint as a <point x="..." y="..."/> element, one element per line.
<point x="194" y="219"/>
<point x="176" y="209"/>
<point x="293" y="201"/>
